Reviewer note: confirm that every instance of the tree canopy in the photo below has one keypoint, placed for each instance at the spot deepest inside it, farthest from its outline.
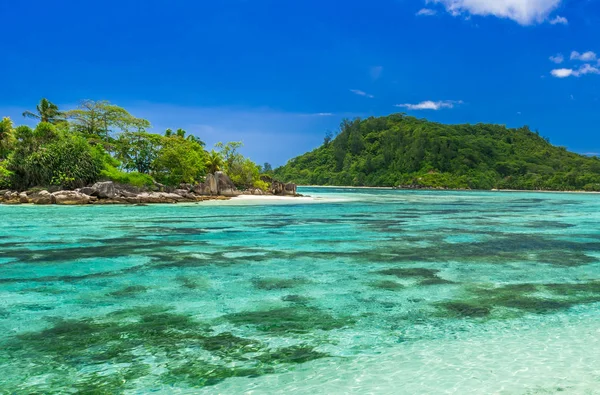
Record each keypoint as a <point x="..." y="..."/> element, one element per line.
<point x="402" y="150"/>
<point x="100" y="140"/>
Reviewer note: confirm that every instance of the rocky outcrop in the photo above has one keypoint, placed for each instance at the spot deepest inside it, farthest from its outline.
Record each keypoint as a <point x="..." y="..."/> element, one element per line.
<point x="216" y="184"/>
<point x="11" y="198"/>
<point x="23" y="198"/>
<point x="212" y="184"/>
<point x="284" y="189"/>
<point x="225" y="186"/>
<point x="41" y="197"/>
<point x="159" y="197"/>
<point x="104" y="190"/>
<point x="70" y="198"/>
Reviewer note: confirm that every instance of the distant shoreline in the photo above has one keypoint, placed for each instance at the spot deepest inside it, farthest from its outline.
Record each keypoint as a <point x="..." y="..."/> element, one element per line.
<point x="447" y="190"/>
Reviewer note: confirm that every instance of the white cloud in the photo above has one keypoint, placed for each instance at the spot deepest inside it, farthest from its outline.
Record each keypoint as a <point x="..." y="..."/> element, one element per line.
<point x="558" y="58"/>
<point x="376" y="72"/>
<point x="583" y="70"/>
<point x="562" y="73"/>
<point x="430" y="105"/>
<point x="426" y="12"/>
<point x="361" y="93"/>
<point x="584" y="57"/>
<point x="587" y="69"/>
<point x="524" y="12"/>
<point x="559" y="20"/>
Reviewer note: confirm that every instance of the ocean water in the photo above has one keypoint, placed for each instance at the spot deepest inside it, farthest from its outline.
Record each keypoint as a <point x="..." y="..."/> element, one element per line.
<point x="350" y="291"/>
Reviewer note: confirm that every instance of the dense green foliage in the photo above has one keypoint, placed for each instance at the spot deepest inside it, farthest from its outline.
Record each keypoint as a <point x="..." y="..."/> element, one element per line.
<point x="101" y="141"/>
<point x="49" y="156"/>
<point x="401" y="150"/>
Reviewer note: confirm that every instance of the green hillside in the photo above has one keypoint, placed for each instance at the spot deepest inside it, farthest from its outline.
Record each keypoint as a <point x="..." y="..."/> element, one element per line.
<point x="402" y="150"/>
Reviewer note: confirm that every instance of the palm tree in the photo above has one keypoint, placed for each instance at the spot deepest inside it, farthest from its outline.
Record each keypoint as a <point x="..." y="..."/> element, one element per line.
<point x="214" y="161"/>
<point x="195" y="139"/>
<point x="6" y="132"/>
<point x="46" y="112"/>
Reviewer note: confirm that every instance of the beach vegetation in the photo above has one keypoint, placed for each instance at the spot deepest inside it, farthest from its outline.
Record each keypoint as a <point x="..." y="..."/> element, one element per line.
<point x="399" y="150"/>
<point x="99" y="140"/>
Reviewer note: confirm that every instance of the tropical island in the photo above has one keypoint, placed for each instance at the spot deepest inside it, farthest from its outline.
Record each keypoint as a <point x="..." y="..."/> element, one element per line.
<point x="100" y="153"/>
<point x="403" y="151"/>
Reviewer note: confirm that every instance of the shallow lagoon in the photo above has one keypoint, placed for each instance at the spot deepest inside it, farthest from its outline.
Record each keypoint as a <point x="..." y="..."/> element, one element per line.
<point x="355" y="291"/>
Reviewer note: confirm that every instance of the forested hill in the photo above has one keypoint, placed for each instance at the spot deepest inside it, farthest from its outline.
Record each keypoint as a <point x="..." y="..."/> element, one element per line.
<point x="401" y="150"/>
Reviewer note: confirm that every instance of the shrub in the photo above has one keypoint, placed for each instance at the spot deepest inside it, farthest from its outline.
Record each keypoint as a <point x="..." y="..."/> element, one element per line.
<point x="5" y="177"/>
<point x="134" y="178"/>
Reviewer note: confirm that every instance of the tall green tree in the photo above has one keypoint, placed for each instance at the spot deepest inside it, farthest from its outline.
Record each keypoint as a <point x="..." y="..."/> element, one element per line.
<point x="179" y="161"/>
<point x="103" y="119"/>
<point x="230" y="154"/>
<point x="214" y="161"/>
<point x="137" y="151"/>
<point x="6" y="137"/>
<point x="46" y="111"/>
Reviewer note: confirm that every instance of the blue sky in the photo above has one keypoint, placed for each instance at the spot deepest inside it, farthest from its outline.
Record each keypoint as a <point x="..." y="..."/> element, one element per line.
<point x="277" y="74"/>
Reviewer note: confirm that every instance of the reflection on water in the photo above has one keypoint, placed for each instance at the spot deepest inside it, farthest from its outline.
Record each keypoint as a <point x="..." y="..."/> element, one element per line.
<point x="357" y="290"/>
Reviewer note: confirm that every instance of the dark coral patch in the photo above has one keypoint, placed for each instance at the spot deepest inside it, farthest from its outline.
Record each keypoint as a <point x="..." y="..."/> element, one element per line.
<point x="387" y="285"/>
<point x="278" y="283"/>
<point x="129" y="291"/>
<point x="297" y="319"/>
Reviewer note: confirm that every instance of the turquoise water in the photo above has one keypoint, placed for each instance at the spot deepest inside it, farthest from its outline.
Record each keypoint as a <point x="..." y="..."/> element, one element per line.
<point x="353" y="291"/>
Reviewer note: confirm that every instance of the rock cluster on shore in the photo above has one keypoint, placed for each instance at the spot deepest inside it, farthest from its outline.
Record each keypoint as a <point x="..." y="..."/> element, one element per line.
<point x="217" y="186"/>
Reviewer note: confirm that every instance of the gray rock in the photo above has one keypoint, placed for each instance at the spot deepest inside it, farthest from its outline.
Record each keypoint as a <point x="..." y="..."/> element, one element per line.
<point x="70" y="198"/>
<point x="11" y="198"/>
<point x="280" y="188"/>
<point x="225" y="186"/>
<point x="41" y="197"/>
<point x="127" y="194"/>
<point x="23" y="198"/>
<point x="181" y="192"/>
<point x="212" y="185"/>
<point x="159" y="197"/>
<point x="87" y="190"/>
<point x="201" y="189"/>
<point x="104" y="190"/>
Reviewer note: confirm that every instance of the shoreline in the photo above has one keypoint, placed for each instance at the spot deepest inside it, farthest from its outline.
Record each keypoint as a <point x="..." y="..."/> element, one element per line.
<point x="448" y="189"/>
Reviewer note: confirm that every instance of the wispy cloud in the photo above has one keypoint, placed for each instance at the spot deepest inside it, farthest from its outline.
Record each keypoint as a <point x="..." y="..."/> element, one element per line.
<point x="361" y="93"/>
<point x="559" y="20"/>
<point x="376" y="72"/>
<point x="524" y="12"/>
<point x="431" y="105"/>
<point x="583" y="70"/>
<point x="426" y="12"/>
<point x="588" y="56"/>
<point x="558" y="58"/>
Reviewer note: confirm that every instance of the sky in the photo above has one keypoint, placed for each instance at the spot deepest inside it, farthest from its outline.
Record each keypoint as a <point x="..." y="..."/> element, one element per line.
<point x="279" y="74"/>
